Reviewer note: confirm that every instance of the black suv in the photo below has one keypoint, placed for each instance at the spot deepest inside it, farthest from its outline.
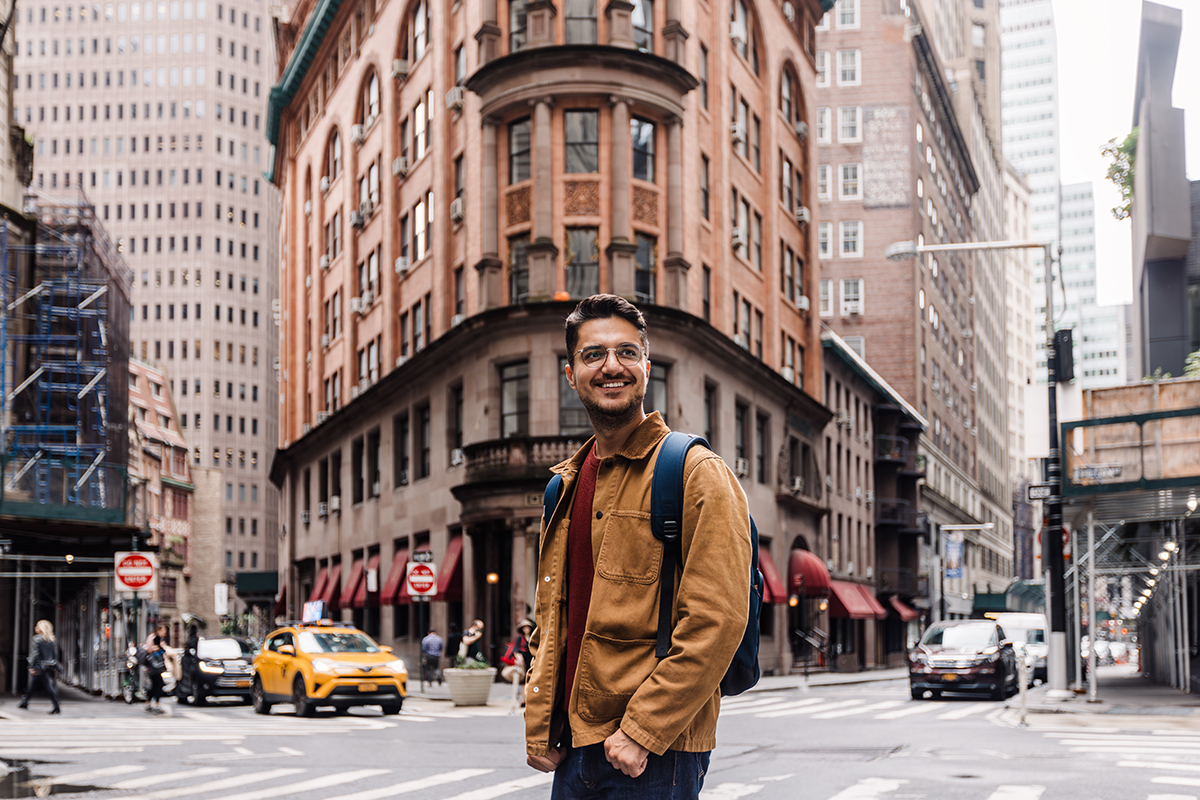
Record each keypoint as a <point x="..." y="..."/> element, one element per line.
<point x="217" y="666"/>
<point x="969" y="655"/>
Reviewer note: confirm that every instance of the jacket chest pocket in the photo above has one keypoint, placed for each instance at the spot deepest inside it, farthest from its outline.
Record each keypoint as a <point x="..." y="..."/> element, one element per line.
<point x="629" y="553"/>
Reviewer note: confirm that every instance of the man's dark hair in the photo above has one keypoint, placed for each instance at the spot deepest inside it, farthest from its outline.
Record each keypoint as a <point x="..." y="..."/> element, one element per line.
<point x="603" y="306"/>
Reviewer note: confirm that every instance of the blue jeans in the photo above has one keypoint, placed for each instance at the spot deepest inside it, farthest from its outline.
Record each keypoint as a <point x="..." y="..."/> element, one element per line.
<point x="585" y="773"/>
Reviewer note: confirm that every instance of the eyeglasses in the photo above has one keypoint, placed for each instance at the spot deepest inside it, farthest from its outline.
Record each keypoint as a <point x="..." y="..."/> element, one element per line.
<point x="629" y="355"/>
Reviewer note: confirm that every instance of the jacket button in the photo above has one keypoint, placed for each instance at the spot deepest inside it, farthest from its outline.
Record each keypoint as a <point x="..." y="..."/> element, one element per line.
<point x="599" y="514"/>
<point x="608" y="462"/>
<point x="535" y="690"/>
<point x="547" y="579"/>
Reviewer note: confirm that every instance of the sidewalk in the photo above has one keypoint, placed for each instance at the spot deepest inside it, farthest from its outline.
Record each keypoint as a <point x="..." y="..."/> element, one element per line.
<point x="1120" y="690"/>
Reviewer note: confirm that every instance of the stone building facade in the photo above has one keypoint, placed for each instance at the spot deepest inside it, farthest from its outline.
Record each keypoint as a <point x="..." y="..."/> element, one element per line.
<point x="453" y="180"/>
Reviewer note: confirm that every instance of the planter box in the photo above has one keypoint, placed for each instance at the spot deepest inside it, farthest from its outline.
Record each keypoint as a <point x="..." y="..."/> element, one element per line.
<point x="470" y="687"/>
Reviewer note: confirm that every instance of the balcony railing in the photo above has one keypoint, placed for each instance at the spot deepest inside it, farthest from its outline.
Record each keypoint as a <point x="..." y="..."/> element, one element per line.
<point x="892" y="449"/>
<point x="517" y="458"/>
<point x="894" y="511"/>
<point x="894" y="580"/>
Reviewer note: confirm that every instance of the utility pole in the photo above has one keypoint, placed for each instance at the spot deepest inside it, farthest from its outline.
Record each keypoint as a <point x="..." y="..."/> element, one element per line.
<point x="1052" y="540"/>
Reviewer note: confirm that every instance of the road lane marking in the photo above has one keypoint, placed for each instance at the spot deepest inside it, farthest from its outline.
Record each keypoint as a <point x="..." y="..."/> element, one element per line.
<point x="739" y="703"/>
<point x="859" y="710"/>
<point x="414" y="785"/>
<point x="1168" y="765"/>
<point x="1129" y="751"/>
<point x="1174" y="746"/>
<point x="15" y="752"/>
<point x="967" y="710"/>
<point x="730" y="791"/>
<point x="1172" y="780"/>
<point x="312" y="784"/>
<point x="1017" y="793"/>
<point x="290" y="751"/>
<point x="1170" y="797"/>
<point x="915" y="708"/>
<point x="141" y="783"/>
<point x="79" y="777"/>
<point x="791" y="712"/>
<point x="215" y="786"/>
<point x="508" y="787"/>
<point x="869" y="789"/>
<point x="773" y="707"/>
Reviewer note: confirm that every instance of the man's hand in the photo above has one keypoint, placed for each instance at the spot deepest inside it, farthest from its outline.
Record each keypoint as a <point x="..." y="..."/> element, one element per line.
<point x="548" y="762"/>
<point x="625" y="754"/>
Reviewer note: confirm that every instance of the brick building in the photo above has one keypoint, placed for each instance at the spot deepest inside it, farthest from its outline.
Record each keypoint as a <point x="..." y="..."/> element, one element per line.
<point x="453" y="178"/>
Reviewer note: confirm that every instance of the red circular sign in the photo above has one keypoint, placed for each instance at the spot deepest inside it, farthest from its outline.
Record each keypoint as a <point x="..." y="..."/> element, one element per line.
<point x="135" y="570"/>
<point x="420" y="579"/>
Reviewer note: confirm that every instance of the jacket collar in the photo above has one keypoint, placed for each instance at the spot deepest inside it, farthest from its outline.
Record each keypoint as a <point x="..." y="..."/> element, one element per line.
<point x="640" y="444"/>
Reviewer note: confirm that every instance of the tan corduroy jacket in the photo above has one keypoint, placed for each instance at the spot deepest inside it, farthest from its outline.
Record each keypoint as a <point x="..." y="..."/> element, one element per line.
<point x="667" y="704"/>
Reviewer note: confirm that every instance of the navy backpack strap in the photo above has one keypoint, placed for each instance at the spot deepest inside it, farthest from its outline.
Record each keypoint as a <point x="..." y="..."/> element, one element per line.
<point x="666" y="521"/>
<point x="553" y="489"/>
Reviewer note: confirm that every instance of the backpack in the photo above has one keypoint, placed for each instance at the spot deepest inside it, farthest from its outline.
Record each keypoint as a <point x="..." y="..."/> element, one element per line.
<point x="666" y="522"/>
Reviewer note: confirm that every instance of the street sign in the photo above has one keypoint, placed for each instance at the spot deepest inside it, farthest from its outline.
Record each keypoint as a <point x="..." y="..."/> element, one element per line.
<point x="220" y="599"/>
<point x="423" y="556"/>
<point x="1039" y="491"/>
<point x="135" y="572"/>
<point x="1098" y="472"/>
<point x="422" y="579"/>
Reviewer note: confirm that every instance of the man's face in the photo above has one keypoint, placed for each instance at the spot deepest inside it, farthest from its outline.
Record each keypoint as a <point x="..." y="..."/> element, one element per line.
<point x="610" y="391"/>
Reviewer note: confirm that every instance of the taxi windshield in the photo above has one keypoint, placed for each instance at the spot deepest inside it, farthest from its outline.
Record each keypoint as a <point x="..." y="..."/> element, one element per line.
<point x="311" y="642"/>
<point x="216" y="649"/>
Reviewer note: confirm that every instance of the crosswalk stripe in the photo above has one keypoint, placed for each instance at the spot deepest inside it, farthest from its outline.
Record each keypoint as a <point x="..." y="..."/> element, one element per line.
<point x="791" y="712"/>
<point x="967" y="710"/>
<point x="747" y="702"/>
<point x="869" y="789"/>
<point x="1017" y="793"/>
<point x="414" y="785"/>
<point x="1167" y="765"/>
<point x="141" y="783"/>
<point x="1129" y="751"/>
<point x="323" y="782"/>
<point x="848" y="712"/>
<point x="64" y="751"/>
<point x="79" y="777"/>
<point x="1174" y="781"/>
<point x="1171" y="797"/>
<point x="508" y="787"/>
<point x="773" y="707"/>
<point x="215" y="786"/>
<point x="1128" y="739"/>
<point x="1174" y="746"/>
<point x="730" y="791"/>
<point x="915" y="708"/>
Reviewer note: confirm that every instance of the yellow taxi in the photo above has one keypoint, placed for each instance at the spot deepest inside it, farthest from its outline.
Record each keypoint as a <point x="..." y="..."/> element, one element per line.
<point x="326" y="664"/>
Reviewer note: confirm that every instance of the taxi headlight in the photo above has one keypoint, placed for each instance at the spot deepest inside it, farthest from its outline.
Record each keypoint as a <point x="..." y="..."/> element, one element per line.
<point x="396" y="666"/>
<point x="213" y="669"/>
<point x="322" y="665"/>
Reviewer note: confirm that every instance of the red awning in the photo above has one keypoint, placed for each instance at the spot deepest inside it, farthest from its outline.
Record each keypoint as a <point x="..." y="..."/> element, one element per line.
<point x="876" y="607"/>
<point x="848" y="600"/>
<point x="331" y="595"/>
<point x="807" y="575"/>
<point x="356" y="577"/>
<point x="395" y="579"/>
<point x="318" y="590"/>
<point x="280" y="603"/>
<point x="773" y="591"/>
<point x="361" y="595"/>
<point x="450" y="574"/>
<point x="907" y="614"/>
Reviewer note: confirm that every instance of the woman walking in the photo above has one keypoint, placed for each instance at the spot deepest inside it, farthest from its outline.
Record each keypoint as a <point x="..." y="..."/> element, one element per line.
<point x="156" y="663"/>
<point x="43" y="664"/>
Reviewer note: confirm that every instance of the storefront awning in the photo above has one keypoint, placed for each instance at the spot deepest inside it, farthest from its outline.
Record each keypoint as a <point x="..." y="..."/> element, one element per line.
<point x="773" y="591"/>
<point x="450" y="574"/>
<point x="331" y="594"/>
<point x="280" y="602"/>
<point x="848" y="600"/>
<point x="356" y="577"/>
<point x="876" y="607"/>
<point x="318" y="590"/>
<point x="905" y="612"/>
<point x="361" y="595"/>
<point x="807" y="575"/>
<point x="391" y="588"/>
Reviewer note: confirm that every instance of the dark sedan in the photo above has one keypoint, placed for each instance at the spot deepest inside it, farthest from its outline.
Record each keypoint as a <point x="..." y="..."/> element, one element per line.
<point x="217" y="666"/>
<point x="971" y="655"/>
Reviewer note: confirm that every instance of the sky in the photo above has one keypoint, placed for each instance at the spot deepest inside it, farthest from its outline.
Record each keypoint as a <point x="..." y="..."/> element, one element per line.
<point x="1097" y="66"/>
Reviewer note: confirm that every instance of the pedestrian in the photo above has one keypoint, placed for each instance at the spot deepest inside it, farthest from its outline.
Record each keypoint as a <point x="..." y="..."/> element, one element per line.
<point x="431" y="657"/>
<point x="453" y="643"/>
<point x="472" y="643"/>
<point x="516" y="660"/>
<point x="156" y="663"/>
<point x="43" y="664"/>
<point x="605" y="714"/>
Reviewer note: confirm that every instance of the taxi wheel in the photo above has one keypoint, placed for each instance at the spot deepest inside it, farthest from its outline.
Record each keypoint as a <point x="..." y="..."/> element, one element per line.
<point x="917" y="694"/>
<point x="391" y="708"/>
<point x="304" y="707"/>
<point x="259" y="698"/>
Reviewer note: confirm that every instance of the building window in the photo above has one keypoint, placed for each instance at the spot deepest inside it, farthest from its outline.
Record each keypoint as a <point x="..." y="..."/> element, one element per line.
<point x="371" y="99"/>
<point x="400" y="449"/>
<point x="583" y="261"/>
<point x="424" y="439"/>
<point x="703" y="76"/>
<point x="656" y="391"/>
<point x="822" y="68"/>
<point x="851" y="240"/>
<point x="514" y="400"/>
<point x="642" y="133"/>
<point x="826" y="302"/>
<point x="572" y="416"/>
<point x="848" y="128"/>
<point x="518" y="150"/>
<point x="851" y="187"/>
<point x="582" y="151"/>
<point x="761" y="446"/>
<point x="848" y="74"/>
<point x="642" y="17"/>
<point x="518" y="268"/>
<point x="454" y="430"/>
<point x="823" y="134"/>
<point x="852" y="296"/>
<point x="646" y="258"/>
<point x="517" y="32"/>
<point x="579" y="21"/>
<point x="848" y="14"/>
<point x="420" y="29"/>
<point x="333" y="157"/>
<point x="740" y="420"/>
<point x="785" y="96"/>
<point x="704" y="186"/>
<point x="710" y="413"/>
<point x="742" y="34"/>
<point x="824" y="232"/>
<point x="823" y="190"/>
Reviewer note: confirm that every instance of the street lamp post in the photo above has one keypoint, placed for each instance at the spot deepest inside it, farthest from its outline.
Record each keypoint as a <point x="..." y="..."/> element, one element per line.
<point x="1057" y="660"/>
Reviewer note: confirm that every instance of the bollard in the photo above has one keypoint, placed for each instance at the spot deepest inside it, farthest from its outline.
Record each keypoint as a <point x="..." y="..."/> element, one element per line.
<point x="1023" y="688"/>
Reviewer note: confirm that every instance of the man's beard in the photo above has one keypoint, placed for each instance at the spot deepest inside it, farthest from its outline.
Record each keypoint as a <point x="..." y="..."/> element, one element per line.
<point x="612" y="419"/>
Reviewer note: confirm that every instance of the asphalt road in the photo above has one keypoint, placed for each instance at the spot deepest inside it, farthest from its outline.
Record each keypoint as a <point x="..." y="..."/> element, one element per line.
<point x="862" y="742"/>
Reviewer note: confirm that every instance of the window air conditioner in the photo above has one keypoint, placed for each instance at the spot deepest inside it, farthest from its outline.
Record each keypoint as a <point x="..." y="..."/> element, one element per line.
<point x="325" y="184"/>
<point x="305" y="429"/>
<point x="737" y="33"/>
<point x="308" y="208"/>
<point x="322" y="416"/>
<point x="456" y="210"/>
<point x="356" y="305"/>
<point x="858" y="492"/>
<point x="850" y="567"/>
<point x="375" y="489"/>
<point x="801" y="129"/>
<point x="335" y="504"/>
<point x="363" y="385"/>
<point x="737" y="237"/>
<point x="737" y="133"/>
<point x="367" y="209"/>
<point x="741" y="467"/>
<point x="401" y="265"/>
<point x="308" y="357"/>
<point x="842" y="417"/>
<point x="457" y="457"/>
<point x="401" y="361"/>
<point x="456" y="320"/>
<point x="788" y="374"/>
<point x="326" y="261"/>
<point x="304" y="517"/>
<point x="869" y="496"/>
<point x="369" y="122"/>
<point x="368" y="298"/>
<point x="308" y="281"/>
<point x="400" y="68"/>
<point x="324" y="340"/>
<point x="802" y="214"/>
<point x="454" y="98"/>
<point x="797" y="483"/>
<point x="400" y="166"/>
<point x="358" y="133"/>
<point x="802" y="303"/>
<point x="354" y="392"/>
<point x="356" y="219"/>
<point x="853" y="308"/>
<point x="322" y="510"/>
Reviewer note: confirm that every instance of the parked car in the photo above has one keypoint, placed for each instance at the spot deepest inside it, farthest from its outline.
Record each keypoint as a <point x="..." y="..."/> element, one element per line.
<point x="326" y="664"/>
<point x="1028" y="635"/>
<point x="218" y="666"/>
<point x="971" y="655"/>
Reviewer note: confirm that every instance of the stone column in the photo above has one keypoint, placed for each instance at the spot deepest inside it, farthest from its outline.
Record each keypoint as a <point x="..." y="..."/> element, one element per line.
<point x="620" y="24"/>
<point x="488" y="35"/>
<point x="674" y="35"/>
<point x="543" y="253"/>
<point x="491" y="290"/>
<point x="539" y="20"/>
<point x="675" y="265"/>
<point x="621" y="248"/>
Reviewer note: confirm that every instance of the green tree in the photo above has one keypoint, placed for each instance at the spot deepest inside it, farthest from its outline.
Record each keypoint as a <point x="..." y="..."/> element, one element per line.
<point x="1124" y="158"/>
<point x="1191" y="367"/>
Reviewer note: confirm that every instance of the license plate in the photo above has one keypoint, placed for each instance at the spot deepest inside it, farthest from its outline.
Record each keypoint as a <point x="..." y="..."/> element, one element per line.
<point x="243" y="684"/>
<point x="949" y="676"/>
<point x="367" y="687"/>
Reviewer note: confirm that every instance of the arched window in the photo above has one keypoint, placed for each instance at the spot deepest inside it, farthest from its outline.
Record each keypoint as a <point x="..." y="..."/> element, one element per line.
<point x="370" y="99"/>
<point x="642" y="17"/>
<point x="741" y="31"/>
<point x="786" y="101"/>
<point x="333" y="157"/>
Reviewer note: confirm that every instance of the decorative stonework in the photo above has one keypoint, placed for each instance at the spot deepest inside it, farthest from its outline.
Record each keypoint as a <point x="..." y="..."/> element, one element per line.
<point x="645" y="205"/>
<point x="582" y="199"/>
<point x="518" y="206"/>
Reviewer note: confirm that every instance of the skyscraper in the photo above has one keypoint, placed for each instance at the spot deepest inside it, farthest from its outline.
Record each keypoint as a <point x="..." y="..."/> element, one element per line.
<point x="155" y="111"/>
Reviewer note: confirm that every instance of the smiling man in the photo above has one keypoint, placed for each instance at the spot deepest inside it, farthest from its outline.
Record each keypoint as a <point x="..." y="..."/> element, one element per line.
<point x="603" y="713"/>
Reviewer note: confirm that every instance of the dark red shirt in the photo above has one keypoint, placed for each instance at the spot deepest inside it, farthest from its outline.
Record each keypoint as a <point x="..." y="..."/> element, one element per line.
<point x="580" y="567"/>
